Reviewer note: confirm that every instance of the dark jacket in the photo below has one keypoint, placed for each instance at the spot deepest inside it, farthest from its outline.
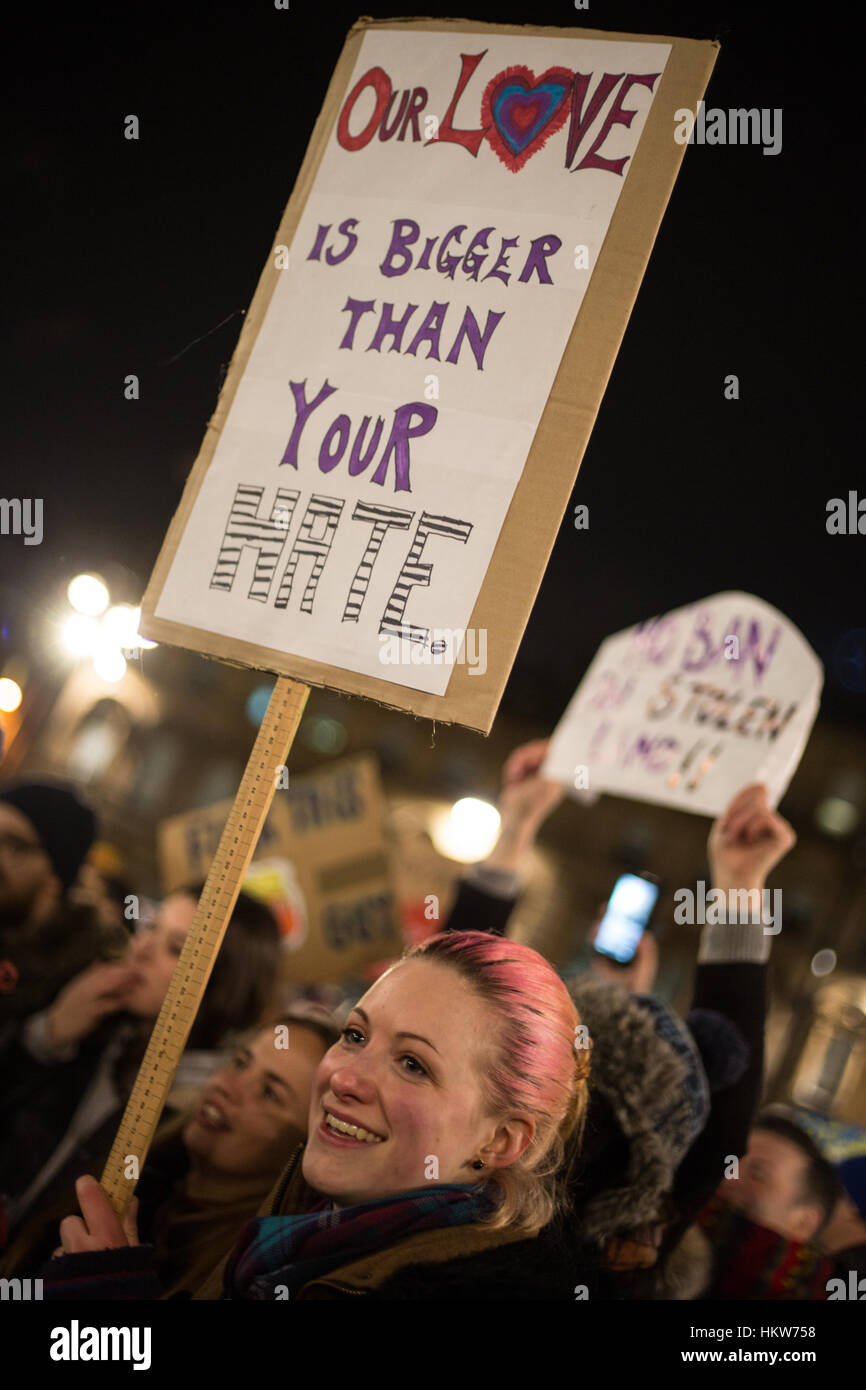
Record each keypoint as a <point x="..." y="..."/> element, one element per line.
<point x="38" y="1101"/>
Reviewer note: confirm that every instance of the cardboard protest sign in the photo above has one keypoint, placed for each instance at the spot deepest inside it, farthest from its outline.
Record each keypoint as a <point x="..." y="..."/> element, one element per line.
<point x="686" y="709"/>
<point x="321" y="864"/>
<point x="382" y="482"/>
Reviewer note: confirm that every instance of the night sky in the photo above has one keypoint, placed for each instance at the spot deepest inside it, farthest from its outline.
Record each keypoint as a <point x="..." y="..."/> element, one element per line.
<point x="120" y="254"/>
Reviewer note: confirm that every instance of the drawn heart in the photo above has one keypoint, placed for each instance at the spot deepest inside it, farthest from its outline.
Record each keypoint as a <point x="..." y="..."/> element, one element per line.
<point x="520" y="111"/>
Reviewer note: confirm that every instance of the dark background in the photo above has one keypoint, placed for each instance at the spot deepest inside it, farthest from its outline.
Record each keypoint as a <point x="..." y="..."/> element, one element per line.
<point x="122" y="253"/>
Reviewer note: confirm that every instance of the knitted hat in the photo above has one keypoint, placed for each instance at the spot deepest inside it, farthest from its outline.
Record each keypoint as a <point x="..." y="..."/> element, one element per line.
<point x="649" y="1098"/>
<point x="65" y="826"/>
<point x="852" y="1175"/>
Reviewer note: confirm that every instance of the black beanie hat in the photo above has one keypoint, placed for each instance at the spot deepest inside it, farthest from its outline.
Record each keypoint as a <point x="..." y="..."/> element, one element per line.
<point x="66" y="827"/>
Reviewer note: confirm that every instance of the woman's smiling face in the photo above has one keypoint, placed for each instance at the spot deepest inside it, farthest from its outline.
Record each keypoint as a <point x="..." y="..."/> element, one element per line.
<point x="407" y="1074"/>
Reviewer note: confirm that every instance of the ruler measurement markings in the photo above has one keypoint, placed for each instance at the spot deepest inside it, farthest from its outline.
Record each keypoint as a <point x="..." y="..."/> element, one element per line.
<point x="222" y="886"/>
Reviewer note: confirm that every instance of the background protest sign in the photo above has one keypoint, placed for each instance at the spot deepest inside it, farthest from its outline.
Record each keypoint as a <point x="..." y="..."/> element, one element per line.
<point x="686" y="709"/>
<point x="321" y="864"/>
<point x="381" y="484"/>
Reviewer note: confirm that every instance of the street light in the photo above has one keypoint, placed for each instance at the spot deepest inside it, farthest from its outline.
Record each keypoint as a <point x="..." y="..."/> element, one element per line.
<point x="109" y="664"/>
<point x="106" y="635"/>
<point x="10" y="695"/>
<point x="88" y="595"/>
<point x="468" y="831"/>
<point x="80" y="635"/>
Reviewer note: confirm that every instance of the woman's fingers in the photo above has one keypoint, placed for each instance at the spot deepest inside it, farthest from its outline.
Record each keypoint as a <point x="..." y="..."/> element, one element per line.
<point x="105" y="1229"/>
<point x="73" y="1236"/>
<point x="130" y="1222"/>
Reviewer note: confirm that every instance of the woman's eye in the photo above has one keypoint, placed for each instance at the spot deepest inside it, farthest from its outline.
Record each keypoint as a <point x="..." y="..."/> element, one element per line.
<point x="416" y="1069"/>
<point x="269" y="1093"/>
<point x="349" y="1034"/>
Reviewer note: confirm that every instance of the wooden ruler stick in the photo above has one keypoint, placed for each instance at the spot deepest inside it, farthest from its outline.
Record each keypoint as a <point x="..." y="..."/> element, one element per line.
<point x="192" y="972"/>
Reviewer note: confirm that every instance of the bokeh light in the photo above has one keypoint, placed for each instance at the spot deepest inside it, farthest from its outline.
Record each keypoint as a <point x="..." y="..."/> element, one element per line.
<point x="10" y="695"/>
<point x="88" y="595"/>
<point x="109" y="664"/>
<point x="468" y="831"/>
<point x="81" y="635"/>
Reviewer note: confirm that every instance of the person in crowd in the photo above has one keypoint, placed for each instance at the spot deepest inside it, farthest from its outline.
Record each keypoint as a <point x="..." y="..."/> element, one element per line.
<point x="71" y="1066"/>
<point x="765" y="1221"/>
<point x="437" y="1128"/>
<point x="844" y="1235"/>
<point x="648" y="1167"/>
<point x="210" y="1168"/>
<point x="46" y="939"/>
<point x="671" y="1100"/>
<point x="783" y="1181"/>
<point x="103" y="885"/>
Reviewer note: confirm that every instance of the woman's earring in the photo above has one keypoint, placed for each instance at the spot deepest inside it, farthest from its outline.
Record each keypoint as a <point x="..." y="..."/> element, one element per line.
<point x="478" y="1163"/>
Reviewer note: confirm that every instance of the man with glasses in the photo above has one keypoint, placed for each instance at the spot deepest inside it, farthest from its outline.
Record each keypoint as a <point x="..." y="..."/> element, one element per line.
<point x="45" y="834"/>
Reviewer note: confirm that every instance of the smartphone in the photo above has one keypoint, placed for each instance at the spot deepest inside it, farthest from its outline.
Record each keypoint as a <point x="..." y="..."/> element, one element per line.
<point x="629" y="909"/>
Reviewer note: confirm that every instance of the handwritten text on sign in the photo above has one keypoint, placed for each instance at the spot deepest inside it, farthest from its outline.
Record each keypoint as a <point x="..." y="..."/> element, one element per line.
<point x="390" y="400"/>
<point x="688" y="708"/>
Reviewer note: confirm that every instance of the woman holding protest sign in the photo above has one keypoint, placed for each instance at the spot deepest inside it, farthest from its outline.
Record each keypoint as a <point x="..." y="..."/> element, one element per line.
<point x="437" y="1129"/>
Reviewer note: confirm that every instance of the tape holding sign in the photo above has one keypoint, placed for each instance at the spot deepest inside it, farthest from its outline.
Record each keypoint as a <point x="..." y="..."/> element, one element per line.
<point x="394" y="448"/>
<point x="686" y="709"/>
<point x="321" y="865"/>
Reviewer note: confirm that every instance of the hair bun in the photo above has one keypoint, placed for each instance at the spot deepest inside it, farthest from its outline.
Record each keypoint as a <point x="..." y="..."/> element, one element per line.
<point x="583" y="1062"/>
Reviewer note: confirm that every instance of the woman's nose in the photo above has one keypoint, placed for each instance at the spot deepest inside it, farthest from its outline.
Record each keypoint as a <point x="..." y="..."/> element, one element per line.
<point x="140" y="947"/>
<point x="233" y="1084"/>
<point x="355" y="1078"/>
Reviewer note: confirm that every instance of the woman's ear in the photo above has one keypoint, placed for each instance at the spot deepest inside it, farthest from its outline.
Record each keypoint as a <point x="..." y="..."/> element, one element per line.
<point x="510" y="1142"/>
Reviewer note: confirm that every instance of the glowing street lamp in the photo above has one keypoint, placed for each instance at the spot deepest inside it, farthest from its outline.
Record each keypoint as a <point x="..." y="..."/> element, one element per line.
<point x="107" y="641"/>
<point x="80" y="635"/>
<point x="120" y="626"/>
<point x="10" y="695"/>
<point x="88" y="595"/>
<point x="109" y="663"/>
<point x="468" y="831"/>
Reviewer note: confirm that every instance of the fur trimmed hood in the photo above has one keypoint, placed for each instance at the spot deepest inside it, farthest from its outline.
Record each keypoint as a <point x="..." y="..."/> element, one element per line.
<point x="644" y="1091"/>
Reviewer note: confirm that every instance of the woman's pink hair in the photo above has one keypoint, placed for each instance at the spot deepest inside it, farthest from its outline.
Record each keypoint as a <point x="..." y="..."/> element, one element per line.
<point x="534" y="1066"/>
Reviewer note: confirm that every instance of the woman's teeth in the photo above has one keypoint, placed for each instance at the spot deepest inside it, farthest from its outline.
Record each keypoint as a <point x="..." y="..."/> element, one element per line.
<point x="354" y="1131"/>
<point x="213" y="1116"/>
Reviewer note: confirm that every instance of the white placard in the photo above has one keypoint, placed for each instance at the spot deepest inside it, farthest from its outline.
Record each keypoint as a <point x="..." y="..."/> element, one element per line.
<point x="686" y="709"/>
<point x="432" y="286"/>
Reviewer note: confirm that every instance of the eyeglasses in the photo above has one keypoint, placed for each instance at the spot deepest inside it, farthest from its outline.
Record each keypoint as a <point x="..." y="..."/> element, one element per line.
<point x="15" y="848"/>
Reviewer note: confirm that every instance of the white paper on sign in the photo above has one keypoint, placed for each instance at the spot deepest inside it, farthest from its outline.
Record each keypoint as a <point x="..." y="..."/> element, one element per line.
<point x="385" y="415"/>
<point x="688" y="708"/>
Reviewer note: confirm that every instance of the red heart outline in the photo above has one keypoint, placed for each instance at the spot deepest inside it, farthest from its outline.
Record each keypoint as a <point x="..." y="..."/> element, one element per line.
<point x="555" y="121"/>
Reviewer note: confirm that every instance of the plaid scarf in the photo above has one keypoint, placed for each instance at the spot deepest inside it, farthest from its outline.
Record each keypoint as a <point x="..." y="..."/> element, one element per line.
<point x="751" y="1262"/>
<point x="290" y="1251"/>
